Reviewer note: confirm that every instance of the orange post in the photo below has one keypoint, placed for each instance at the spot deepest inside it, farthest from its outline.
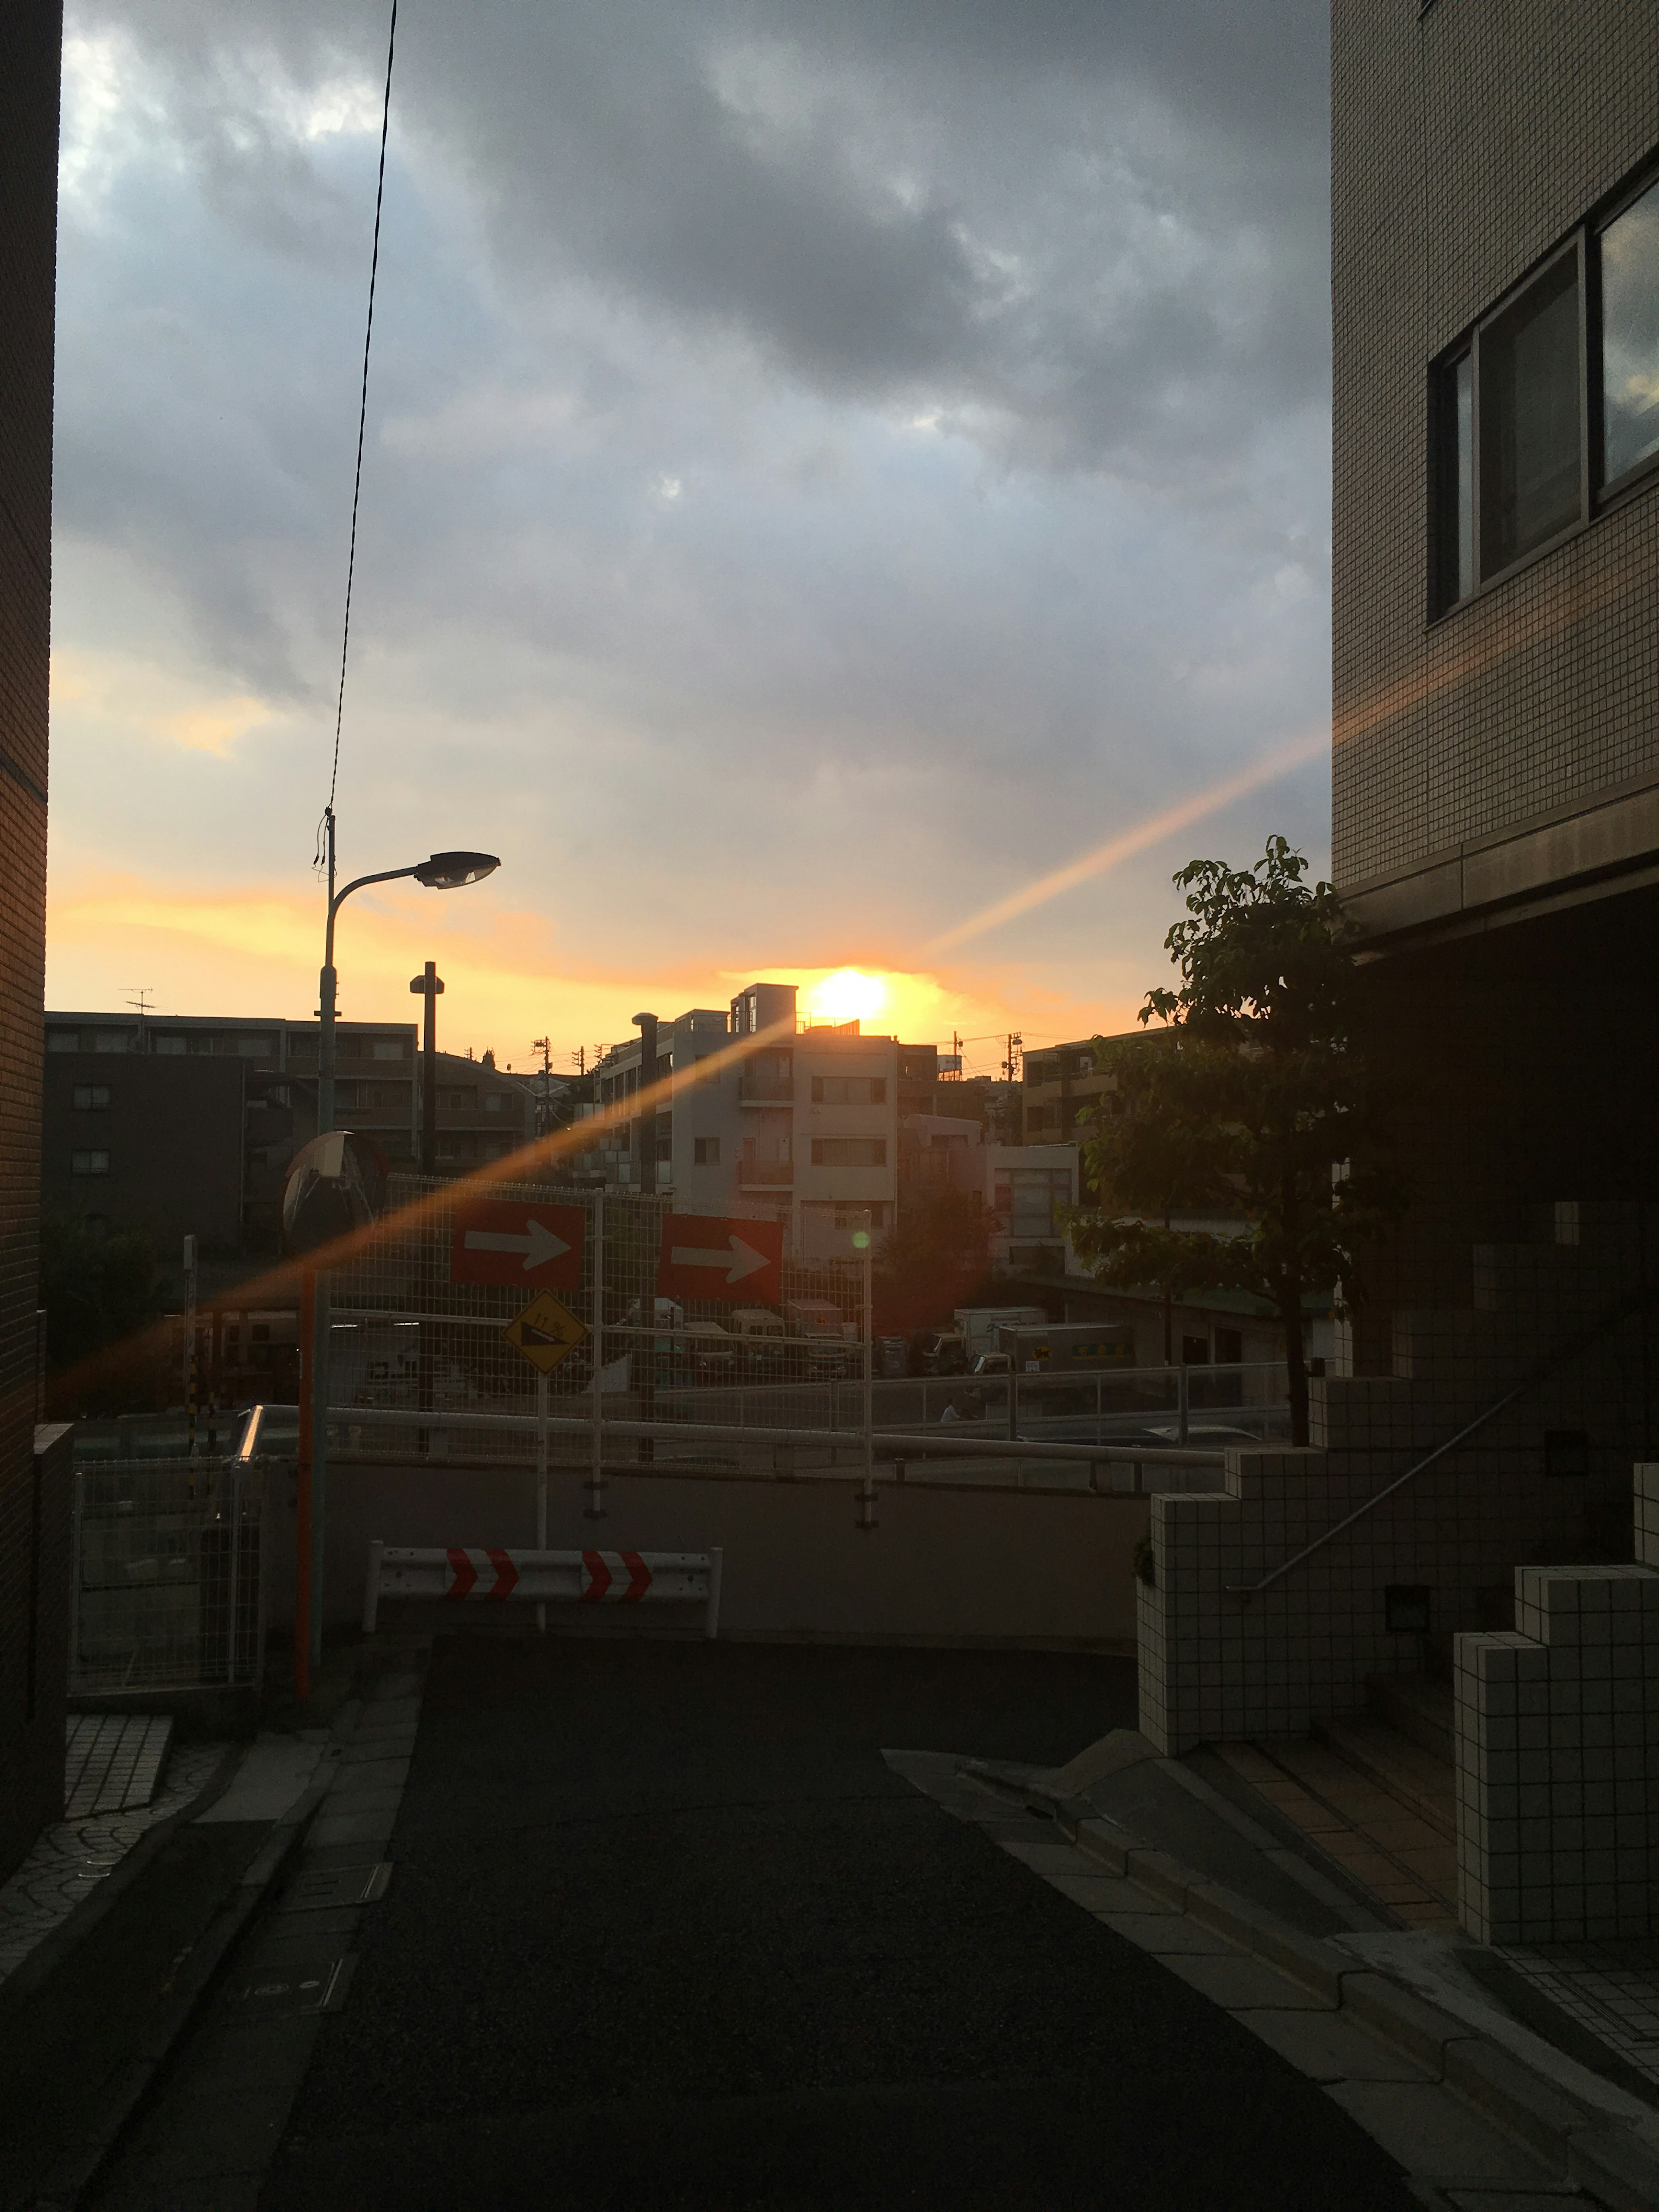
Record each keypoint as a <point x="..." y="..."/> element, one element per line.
<point x="302" y="1519"/>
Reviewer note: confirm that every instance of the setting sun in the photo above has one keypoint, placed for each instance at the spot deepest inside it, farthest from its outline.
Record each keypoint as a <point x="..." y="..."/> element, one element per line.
<point x="847" y="994"/>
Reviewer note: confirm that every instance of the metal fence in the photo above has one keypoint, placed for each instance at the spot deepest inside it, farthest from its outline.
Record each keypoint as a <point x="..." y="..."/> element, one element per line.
<point x="717" y="1385"/>
<point x="169" y="1588"/>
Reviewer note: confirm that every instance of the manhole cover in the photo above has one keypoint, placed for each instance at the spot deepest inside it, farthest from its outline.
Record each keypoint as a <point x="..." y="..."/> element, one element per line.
<point x="315" y="1888"/>
<point x="319" y="1987"/>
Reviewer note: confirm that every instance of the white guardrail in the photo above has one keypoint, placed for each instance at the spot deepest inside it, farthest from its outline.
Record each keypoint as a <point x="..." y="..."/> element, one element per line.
<point x="544" y="1577"/>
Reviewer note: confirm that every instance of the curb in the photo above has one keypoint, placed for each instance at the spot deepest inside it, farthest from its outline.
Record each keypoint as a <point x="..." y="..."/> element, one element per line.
<point x="1585" y="2146"/>
<point x="67" y="2184"/>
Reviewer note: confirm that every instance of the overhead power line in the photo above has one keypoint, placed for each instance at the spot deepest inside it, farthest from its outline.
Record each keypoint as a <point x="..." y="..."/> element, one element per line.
<point x="362" y="411"/>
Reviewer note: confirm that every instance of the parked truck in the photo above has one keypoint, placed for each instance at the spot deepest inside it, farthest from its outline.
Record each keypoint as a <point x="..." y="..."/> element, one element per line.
<point x="1079" y="1347"/>
<point x="977" y="1326"/>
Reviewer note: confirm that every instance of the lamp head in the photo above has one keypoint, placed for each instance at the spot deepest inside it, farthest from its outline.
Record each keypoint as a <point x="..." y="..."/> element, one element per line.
<point x="448" y="871"/>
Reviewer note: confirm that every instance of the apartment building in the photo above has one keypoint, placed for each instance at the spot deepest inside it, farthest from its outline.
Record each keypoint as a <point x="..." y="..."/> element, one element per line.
<point x="767" y="1115"/>
<point x="110" y="1077"/>
<point x="1495" y="819"/>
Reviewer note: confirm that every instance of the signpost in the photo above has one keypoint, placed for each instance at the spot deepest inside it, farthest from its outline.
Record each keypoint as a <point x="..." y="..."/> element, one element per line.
<point x="708" y="1255"/>
<point x="508" y="1240"/>
<point x="546" y="1332"/>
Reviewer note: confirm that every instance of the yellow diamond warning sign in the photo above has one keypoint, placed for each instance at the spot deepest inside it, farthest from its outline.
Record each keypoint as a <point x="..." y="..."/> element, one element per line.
<point x="545" y="1332"/>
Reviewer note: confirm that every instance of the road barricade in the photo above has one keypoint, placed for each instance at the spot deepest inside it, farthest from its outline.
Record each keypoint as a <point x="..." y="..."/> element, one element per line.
<point x="545" y="1579"/>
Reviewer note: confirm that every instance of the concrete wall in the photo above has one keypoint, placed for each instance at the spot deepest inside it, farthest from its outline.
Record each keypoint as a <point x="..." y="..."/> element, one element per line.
<point x="173" y="1130"/>
<point x="942" y="1566"/>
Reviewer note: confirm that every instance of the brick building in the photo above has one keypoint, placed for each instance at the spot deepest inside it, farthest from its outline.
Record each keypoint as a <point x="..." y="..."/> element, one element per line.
<point x="33" y="1468"/>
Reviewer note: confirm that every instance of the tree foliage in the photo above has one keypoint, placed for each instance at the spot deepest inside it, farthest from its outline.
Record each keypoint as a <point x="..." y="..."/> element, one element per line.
<point x="933" y="1260"/>
<point x="98" y="1287"/>
<point x="1255" y="1099"/>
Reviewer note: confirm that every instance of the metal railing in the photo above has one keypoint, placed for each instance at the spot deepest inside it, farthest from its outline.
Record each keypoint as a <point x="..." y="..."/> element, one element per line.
<point x="168" y="1588"/>
<point x="1623" y="1311"/>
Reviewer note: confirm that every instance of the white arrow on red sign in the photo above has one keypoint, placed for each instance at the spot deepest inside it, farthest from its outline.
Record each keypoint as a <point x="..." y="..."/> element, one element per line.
<point x="601" y="1572"/>
<point x="737" y="1261"/>
<point x="538" y="1243"/>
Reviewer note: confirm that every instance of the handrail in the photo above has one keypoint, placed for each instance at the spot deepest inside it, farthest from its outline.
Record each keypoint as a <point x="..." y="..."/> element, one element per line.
<point x="908" y="1442"/>
<point x="1539" y="1373"/>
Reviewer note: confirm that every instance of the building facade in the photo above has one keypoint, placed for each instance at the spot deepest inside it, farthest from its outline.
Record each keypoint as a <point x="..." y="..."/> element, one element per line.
<point x="758" y="1113"/>
<point x="100" y="1056"/>
<point x="35" y="1569"/>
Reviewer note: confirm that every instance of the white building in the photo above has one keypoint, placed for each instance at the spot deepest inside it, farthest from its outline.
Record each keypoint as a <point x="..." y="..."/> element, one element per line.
<point x="800" y="1125"/>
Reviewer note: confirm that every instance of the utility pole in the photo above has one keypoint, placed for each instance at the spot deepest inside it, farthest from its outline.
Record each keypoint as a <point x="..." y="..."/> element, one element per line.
<point x="645" y="1125"/>
<point x="544" y="1103"/>
<point x="428" y="985"/>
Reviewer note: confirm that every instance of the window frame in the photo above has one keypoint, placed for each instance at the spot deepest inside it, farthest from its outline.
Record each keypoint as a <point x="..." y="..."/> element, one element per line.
<point x="1596" y="496"/>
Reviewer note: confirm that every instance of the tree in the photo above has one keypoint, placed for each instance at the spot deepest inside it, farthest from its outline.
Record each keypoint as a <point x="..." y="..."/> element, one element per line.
<point x="934" y="1257"/>
<point x="1255" y="1098"/>
<point x="97" y="1287"/>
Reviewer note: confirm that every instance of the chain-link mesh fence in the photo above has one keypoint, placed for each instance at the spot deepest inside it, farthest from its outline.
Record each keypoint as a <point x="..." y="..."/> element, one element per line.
<point x="168" y="1590"/>
<point x="756" y="1381"/>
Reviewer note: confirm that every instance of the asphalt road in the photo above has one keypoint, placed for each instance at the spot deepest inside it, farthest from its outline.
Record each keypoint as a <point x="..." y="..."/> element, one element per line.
<point x="664" y="1930"/>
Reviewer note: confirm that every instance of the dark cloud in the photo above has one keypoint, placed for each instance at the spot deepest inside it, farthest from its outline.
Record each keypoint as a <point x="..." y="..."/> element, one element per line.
<point x="849" y="409"/>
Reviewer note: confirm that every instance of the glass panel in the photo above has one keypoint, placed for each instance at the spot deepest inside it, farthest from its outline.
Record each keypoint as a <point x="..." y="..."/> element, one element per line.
<point x="1629" y="336"/>
<point x="1530" y="424"/>
<point x="1463" y="434"/>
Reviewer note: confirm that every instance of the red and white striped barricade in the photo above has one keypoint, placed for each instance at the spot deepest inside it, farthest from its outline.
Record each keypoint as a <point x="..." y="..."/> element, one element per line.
<point x="545" y="1579"/>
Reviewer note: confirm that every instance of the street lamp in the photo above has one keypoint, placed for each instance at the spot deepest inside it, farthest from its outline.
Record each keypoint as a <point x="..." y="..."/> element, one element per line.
<point x="444" y="871"/>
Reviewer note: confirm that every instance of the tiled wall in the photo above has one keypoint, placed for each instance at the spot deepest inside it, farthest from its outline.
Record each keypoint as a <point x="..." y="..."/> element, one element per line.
<point x="33" y="1588"/>
<point x="1466" y="140"/>
<point x="1220" y="1663"/>
<point x="1558" y="1757"/>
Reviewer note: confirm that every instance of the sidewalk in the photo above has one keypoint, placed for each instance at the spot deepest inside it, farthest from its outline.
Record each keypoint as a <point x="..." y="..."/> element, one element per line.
<point x="1416" y="2039"/>
<point x="118" y="1921"/>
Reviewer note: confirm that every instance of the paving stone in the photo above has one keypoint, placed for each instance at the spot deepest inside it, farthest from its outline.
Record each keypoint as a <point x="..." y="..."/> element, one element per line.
<point x="1239" y="1984"/>
<point x="1330" y="2049"/>
<point x="1433" y="2133"/>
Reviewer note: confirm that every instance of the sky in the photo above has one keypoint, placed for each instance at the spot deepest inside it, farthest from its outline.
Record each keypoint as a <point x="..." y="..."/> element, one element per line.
<point x="845" y="487"/>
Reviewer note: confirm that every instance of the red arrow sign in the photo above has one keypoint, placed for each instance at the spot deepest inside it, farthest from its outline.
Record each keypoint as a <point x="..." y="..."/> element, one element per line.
<point x="604" y="1570"/>
<point x="463" y="1575"/>
<point x="505" y="1240"/>
<point x="506" y="1575"/>
<point x="711" y="1255"/>
<point x="599" y="1578"/>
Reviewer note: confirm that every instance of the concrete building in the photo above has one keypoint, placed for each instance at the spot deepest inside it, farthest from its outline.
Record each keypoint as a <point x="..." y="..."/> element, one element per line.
<point x="484" y="1112"/>
<point x="376" y="1091"/>
<point x="34" y="1477"/>
<point x="1496" y="836"/>
<point x="799" y="1125"/>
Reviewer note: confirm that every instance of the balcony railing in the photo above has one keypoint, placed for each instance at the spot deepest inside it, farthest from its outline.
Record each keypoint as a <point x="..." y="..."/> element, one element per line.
<point x="767" y="1175"/>
<point x="766" y="1090"/>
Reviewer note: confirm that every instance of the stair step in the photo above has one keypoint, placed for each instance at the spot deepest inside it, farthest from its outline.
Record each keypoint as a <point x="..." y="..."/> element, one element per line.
<point x="1419" y="1707"/>
<point x="1415" y="1778"/>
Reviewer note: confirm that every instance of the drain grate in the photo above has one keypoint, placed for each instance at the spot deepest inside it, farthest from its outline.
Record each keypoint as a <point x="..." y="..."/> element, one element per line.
<point x="320" y="1987"/>
<point x="317" y="1889"/>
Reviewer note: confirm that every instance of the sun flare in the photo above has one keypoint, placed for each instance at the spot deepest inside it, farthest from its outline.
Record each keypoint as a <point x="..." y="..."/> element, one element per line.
<point x="847" y="994"/>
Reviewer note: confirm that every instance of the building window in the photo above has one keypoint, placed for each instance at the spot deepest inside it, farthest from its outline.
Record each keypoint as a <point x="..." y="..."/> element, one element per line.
<point x="1629" y="338"/>
<point x="1531" y="416"/>
<point x="706" y="1151"/>
<point x="92" y="1097"/>
<point x="89" y="1164"/>
<point x="849" y="1089"/>
<point x="1550" y="404"/>
<point x="493" y="1104"/>
<point x="390" y="1049"/>
<point x="62" y="1040"/>
<point x="850" y="1152"/>
<point x="255" y="1044"/>
<point x="112" y="1040"/>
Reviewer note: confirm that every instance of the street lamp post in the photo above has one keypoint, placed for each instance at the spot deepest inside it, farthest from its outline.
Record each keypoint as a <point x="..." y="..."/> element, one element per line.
<point x="443" y="872"/>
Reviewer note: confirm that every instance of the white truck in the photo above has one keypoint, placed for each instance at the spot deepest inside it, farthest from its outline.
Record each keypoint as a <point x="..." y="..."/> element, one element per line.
<point x="977" y="1326"/>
